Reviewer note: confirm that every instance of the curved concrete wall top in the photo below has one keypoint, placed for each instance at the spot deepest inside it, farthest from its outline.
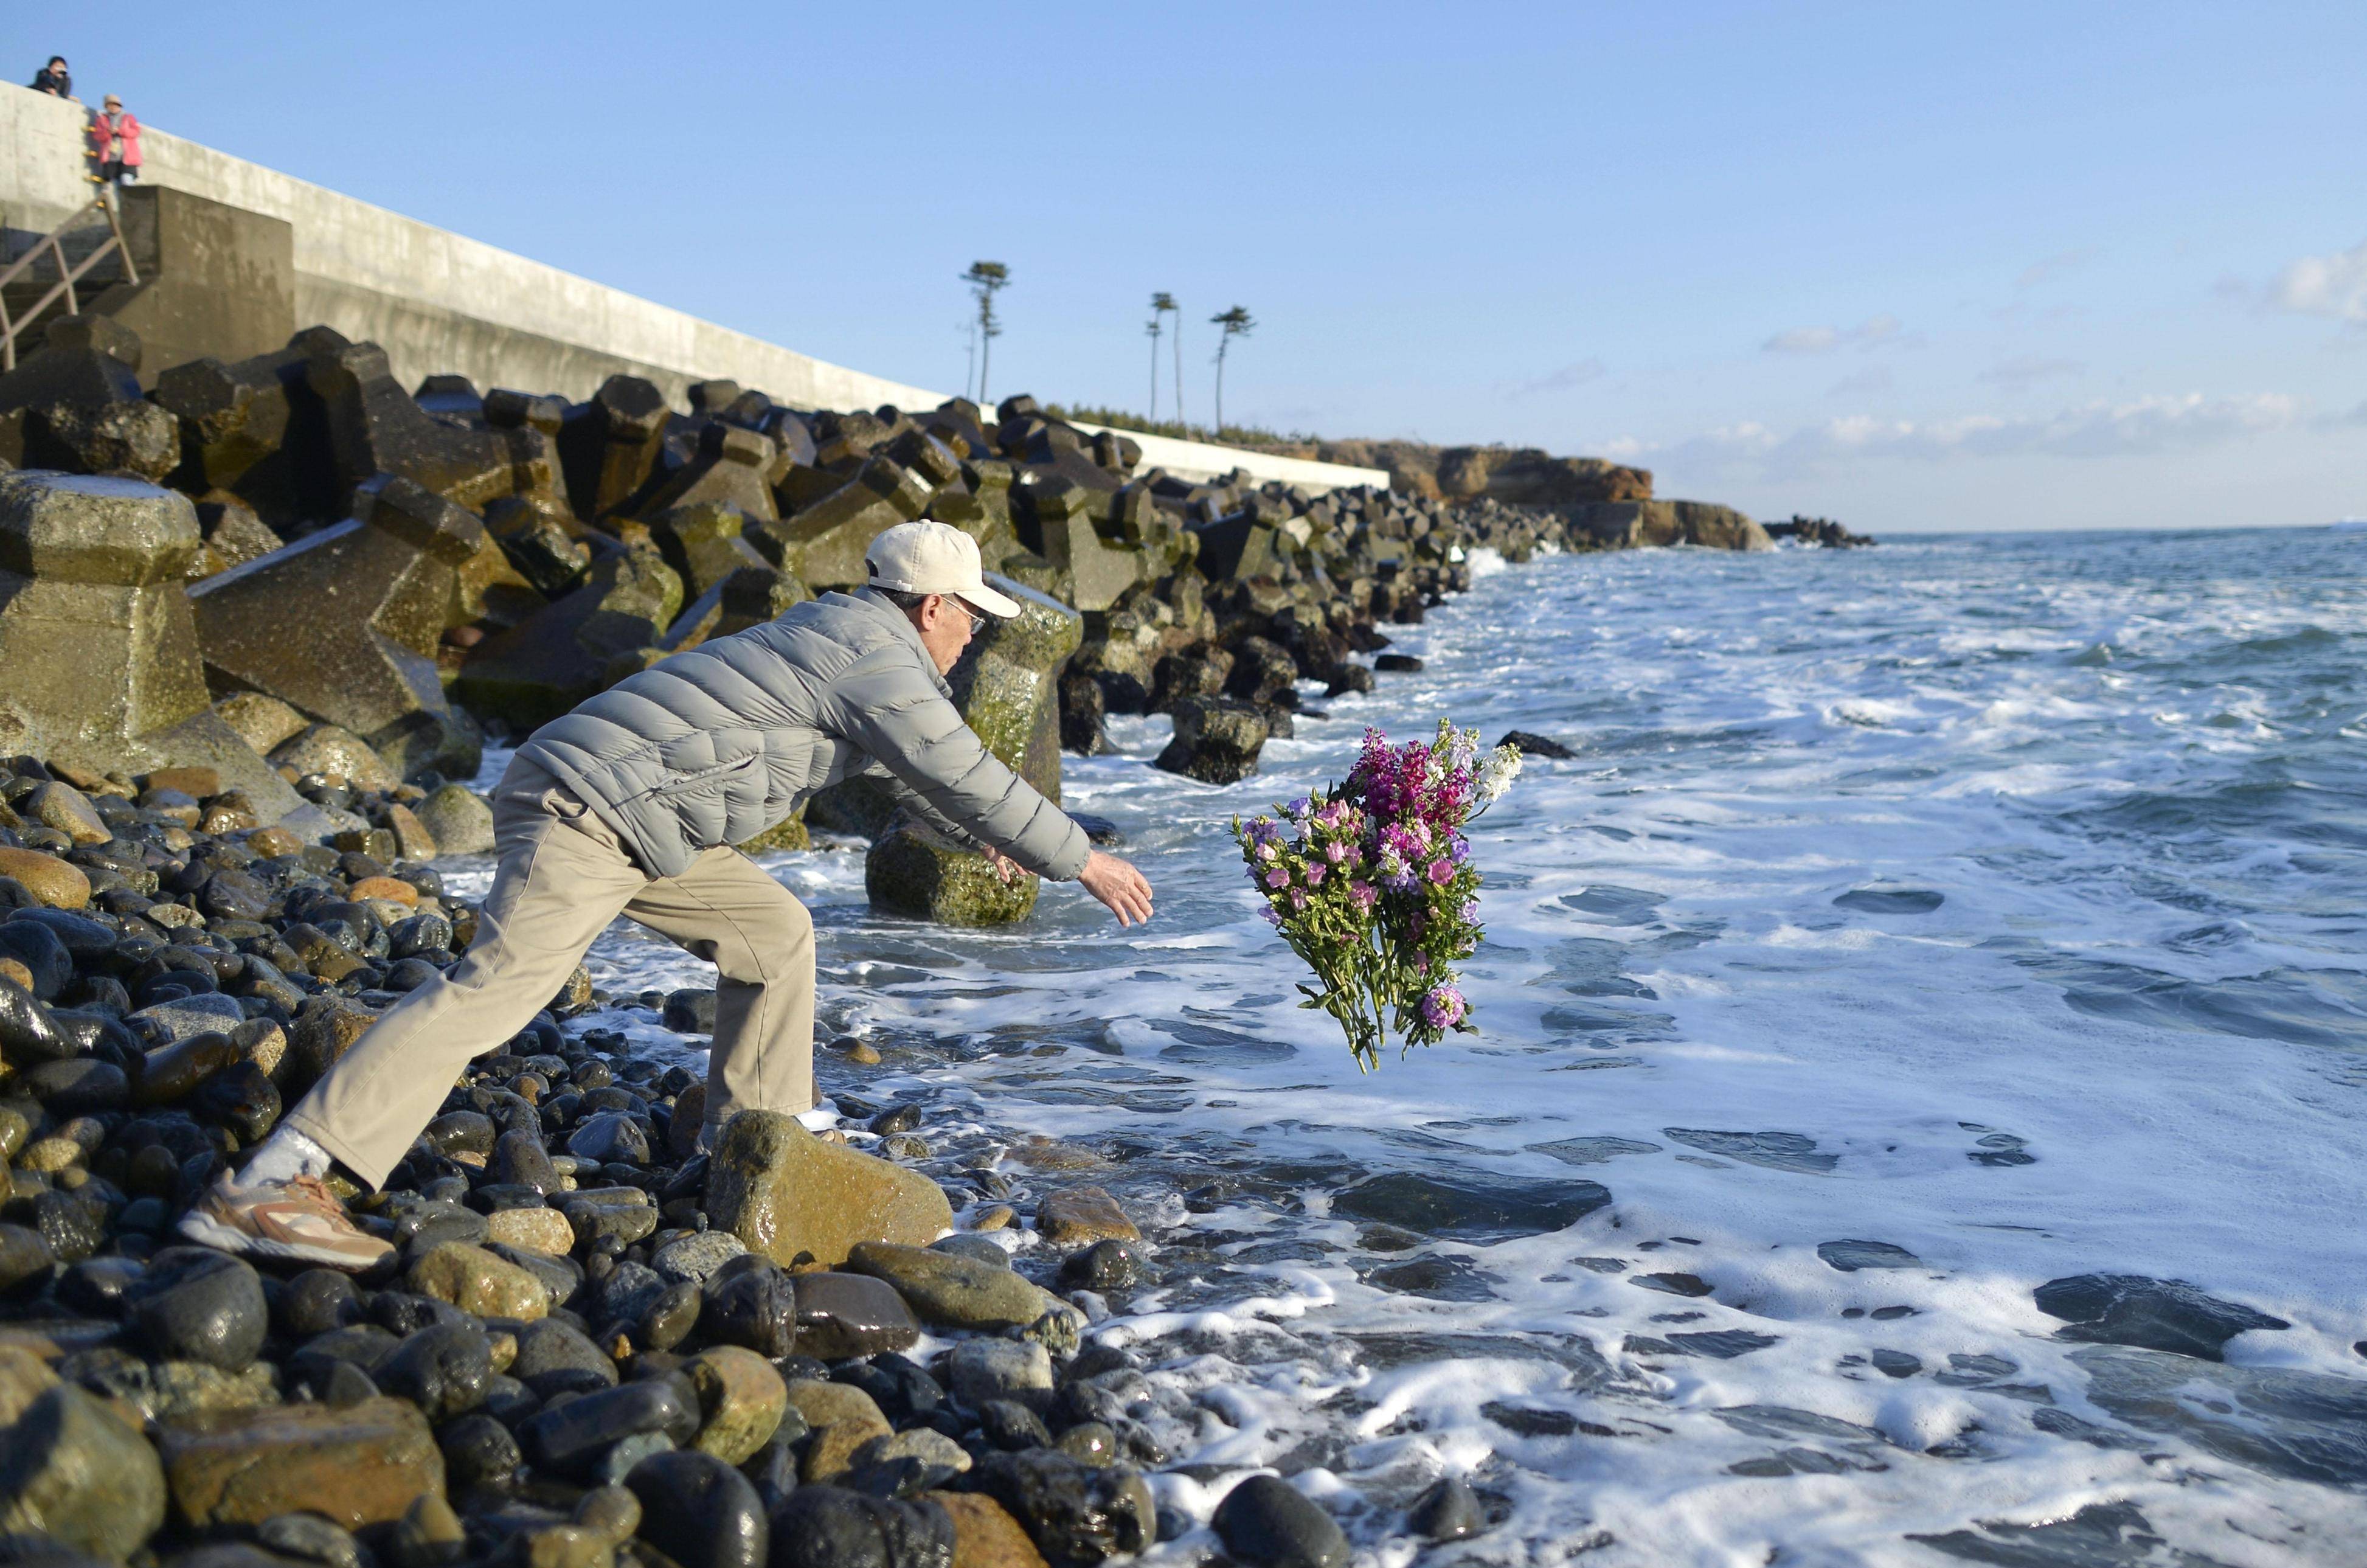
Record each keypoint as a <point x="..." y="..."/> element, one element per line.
<point x="440" y="303"/>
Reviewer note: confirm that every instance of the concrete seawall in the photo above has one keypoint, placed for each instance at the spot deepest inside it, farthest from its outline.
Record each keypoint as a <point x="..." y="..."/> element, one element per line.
<point x="438" y="302"/>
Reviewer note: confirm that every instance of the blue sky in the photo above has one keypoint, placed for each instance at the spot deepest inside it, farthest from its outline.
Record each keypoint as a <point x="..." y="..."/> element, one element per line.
<point x="1913" y="266"/>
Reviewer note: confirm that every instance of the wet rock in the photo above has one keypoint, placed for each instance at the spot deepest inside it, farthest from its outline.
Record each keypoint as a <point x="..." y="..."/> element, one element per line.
<point x="753" y="1307"/>
<point x="1776" y="1151"/>
<point x="1217" y="739"/>
<point x="445" y="1369"/>
<point x="626" y="1292"/>
<point x="701" y="1511"/>
<point x="971" y="1244"/>
<point x="829" y="1527"/>
<point x="690" y="1011"/>
<point x="1076" y="1514"/>
<point x="983" y="1370"/>
<point x="552" y="1355"/>
<point x="460" y="819"/>
<point x="1891" y="900"/>
<point x="429" y="1535"/>
<point x="842" y="1419"/>
<point x="316" y="1302"/>
<point x="1448" y="1511"/>
<point x="57" y="883"/>
<point x="72" y="1469"/>
<point x="985" y="1535"/>
<point x="916" y="872"/>
<point x="1530" y="744"/>
<point x="694" y="1257"/>
<point x="783" y="1192"/>
<point x="360" y="1464"/>
<point x="331" y="748"/>
<point x="62" y="806"/>
<point x="959" y="1293"/>
<point x="196" y="1304"/>
<point x="478" y="1281"/>
<point x="611" y="1137"/>
<point x="840" y="1316"/>
<point x="1081" y="1216"/>
<point x="478" y="1453"/>
<point x="1470" y="1207"/>
<point x="1850" y="1257"/>
<point x="624" y="1214"/>
<point x="310" y="1539"/>
<point x="570" y="1438"/>
<point x="740" y="1398"/>
<point x="2280" y="1421"/>
<point x="544" y="1232"/>
<point x="2154" y="1314"/>
<point x="1268" y="1523"/>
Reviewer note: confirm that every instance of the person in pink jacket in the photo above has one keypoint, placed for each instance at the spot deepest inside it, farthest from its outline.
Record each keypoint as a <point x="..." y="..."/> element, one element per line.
<point x="115" y="137"/>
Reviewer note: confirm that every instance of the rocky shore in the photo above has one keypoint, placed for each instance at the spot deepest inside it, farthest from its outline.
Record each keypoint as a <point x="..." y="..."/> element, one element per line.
<point x="256" y="625"/>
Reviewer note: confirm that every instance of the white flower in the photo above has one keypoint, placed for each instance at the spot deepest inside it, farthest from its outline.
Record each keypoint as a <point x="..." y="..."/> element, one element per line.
<point x="1496" y="771"/>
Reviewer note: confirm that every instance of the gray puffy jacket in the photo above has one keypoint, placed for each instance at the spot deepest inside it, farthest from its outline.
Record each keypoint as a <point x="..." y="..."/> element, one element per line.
<point x="720" y="743"/>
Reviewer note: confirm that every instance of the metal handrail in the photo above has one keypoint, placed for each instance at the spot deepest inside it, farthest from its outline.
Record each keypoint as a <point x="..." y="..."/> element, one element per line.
<point x="68" y="276"/>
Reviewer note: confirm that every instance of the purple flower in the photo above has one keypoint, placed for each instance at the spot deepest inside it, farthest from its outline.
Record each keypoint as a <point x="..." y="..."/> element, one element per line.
<point x="1443" y="1007"/>
<point x="1442" y="871"/>
<point x="1298" y="899"/>
<point x="1363" y="893"/>
<point x="1270" y="915"/>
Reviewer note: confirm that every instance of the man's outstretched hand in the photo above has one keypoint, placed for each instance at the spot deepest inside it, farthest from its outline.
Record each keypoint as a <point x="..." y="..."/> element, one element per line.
<point x="1117" y="884"/>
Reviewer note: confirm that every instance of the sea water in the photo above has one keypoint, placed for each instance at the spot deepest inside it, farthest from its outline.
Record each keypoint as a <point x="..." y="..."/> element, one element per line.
<point x="1992" y="904"/>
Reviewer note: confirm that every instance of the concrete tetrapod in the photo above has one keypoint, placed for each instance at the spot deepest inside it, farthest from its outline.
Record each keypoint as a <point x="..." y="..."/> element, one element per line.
<point x="342" y="624"/>
<point x="97" y="639"/>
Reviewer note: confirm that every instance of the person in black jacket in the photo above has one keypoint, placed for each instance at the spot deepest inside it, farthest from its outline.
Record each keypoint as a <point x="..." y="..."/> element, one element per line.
<point x="54" y="79"/>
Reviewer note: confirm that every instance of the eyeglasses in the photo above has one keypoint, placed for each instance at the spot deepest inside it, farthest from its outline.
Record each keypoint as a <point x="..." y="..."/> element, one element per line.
<point x="968" y="614"/>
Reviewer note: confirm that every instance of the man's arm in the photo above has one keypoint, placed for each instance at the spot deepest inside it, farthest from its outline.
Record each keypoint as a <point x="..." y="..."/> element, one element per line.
<point x="886" y="706"/>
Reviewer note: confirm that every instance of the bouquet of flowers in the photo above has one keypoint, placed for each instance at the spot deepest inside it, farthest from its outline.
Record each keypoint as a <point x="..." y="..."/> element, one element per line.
<point x="1372" y="883"/>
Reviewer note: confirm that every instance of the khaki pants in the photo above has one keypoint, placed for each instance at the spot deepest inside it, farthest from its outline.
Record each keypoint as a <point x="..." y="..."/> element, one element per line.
<point x="561" y="878"/>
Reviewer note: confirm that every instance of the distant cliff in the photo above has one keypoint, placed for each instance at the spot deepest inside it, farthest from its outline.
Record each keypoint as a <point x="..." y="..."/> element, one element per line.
<point x="1517" y="476"/>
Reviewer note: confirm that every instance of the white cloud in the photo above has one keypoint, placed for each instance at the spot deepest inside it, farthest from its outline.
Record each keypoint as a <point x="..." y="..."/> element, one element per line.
<point x="2325" y="286"/>
<point x="2030" y="369"/>
<point x="2045" y="268"/>
<point x="1564" y="380"/>
<point x="1868" y="334"/>
<point x="2147" y="427"/>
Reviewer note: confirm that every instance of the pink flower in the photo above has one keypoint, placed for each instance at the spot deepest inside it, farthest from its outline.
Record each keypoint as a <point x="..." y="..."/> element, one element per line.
<point x="1335" y="853"/>
<point x="1442" y="871"/>
<point x="1298" y="899"/>
<point x="1443" y="1007"/>
<point x="1315" y="873"/>
<point x="1363" y="893"/>
<point x="1277" y="877"/>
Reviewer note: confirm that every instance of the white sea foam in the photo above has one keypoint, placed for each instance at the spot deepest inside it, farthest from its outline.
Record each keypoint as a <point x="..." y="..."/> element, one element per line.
<point x="2093" y="926"/>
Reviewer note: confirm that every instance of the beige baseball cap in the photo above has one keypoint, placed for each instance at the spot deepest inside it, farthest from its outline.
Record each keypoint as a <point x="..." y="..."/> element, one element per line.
<point x="934" y="558"/>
